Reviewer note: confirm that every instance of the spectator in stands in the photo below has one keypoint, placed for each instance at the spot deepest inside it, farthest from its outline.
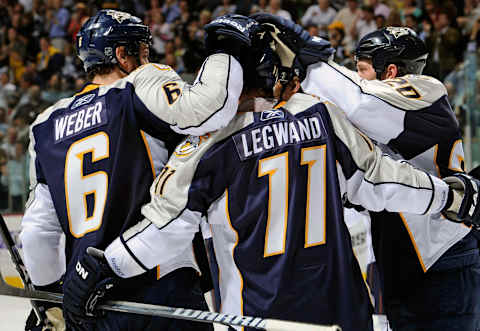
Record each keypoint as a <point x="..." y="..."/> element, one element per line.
<point x="336" y="36"/>
<point x="363" y="23"/>
<point x="394" y="19"/>
<point x="58" y="30"/>
<point x="54" y="90"/>
<point x="347" y="14"/>
<point x="185" y="13"/>
<point x="161" y="31"/>
<point x="412" y="22"/>
<point x="171" y="11"/>
<point x="15" y="177"/>
<point x="3" y="181"/>
<point x="381" y="22"/>
<point x="224" y="8"/>
<point x="244" y="7"/>
<point x="380" y="8"/>
<point x="16" y="65"/>
<point x="275" y="8"/>
<point x="49" y="59"/>
<point x="15" y="43"/>
<point x="430" y="10"/>
<point x="7" y="89"/>
<point x="444" y="45"/>
<point x="3" y="123"/>
<point x="410" y="8"/>
<point x="24" y="116"/>
<point x="69" y="68"/>
<point x="79" y="16"/>
<point x="320" y="14"/>
<point x="471" y="13"/>
<point x="8" y="144"/>
<point x="38" y="14"/>
<point x="261" y="7"/>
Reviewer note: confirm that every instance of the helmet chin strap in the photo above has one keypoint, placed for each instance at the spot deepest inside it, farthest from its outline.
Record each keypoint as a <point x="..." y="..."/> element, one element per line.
<point x="122" y="69"/>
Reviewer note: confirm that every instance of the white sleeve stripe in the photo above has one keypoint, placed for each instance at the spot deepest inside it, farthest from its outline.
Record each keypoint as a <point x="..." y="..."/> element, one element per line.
<point x="140" y="264"/>
<point x="397" y="183"/>
<point x="224" y="101"/>
<point x="433" y="193"/>
<point x="126" y="239"/>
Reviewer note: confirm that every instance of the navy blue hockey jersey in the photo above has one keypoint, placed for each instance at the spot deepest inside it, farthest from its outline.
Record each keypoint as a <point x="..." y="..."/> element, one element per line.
<point x="270" y="185"/>
<point x="91" y="152"/>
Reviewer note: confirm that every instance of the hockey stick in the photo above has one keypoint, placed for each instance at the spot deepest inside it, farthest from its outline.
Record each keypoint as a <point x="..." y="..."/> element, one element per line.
<point x="172" y="312"/>
<point x="22" y="271"/>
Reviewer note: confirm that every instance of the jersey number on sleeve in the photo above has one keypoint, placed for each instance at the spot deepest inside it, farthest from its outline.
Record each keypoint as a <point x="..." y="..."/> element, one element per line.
<point x="276" y="167"/>
<point x="79" y="186"/>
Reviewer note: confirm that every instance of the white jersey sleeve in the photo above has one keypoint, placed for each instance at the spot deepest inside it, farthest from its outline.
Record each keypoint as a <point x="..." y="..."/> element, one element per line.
<point x="368" y="177"/>
<point x="376" y="107"/>
<point x="41" y="238"/>
<point x="207" y="105"/>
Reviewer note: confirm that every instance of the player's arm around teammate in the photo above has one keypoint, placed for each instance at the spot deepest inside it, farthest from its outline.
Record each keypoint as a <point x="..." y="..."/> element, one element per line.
<point x="182" y="195"/>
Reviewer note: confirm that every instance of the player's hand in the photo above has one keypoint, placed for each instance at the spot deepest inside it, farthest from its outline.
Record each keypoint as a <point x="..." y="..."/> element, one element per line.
<point x="463" y="204"/>
<point x="85" y="287"/>
<point x="53" y="311"/>
<point x="231" y="34"/>
<point x="294" y="45"/>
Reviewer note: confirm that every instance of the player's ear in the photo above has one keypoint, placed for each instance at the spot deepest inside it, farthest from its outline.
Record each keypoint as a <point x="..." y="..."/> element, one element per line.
<point x="121" y="55"/>
<point x="391" y="71"/>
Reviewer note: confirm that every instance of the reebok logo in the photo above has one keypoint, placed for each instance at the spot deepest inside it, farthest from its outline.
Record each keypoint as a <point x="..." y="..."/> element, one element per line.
<point x="81" y="271"/>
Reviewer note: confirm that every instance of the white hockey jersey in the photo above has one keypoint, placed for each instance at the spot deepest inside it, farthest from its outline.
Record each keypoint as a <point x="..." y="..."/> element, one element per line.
<point x="410" y="118"/>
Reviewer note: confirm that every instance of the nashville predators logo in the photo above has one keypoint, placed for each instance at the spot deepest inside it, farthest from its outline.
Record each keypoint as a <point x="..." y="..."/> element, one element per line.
<point x="190" y="145"/>
<point x="398" y="32"/>
<point x="118" y="15"/>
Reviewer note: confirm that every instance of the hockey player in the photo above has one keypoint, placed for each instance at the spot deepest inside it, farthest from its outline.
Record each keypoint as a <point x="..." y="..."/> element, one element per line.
<point x="92" y="165"/>
<point x="430" y="268"/>
<point x="270" y="185"/>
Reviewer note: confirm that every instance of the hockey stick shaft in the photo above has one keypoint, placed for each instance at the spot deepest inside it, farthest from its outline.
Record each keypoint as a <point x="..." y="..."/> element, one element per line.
<point x="20" y="267"/>
<point x="172" y="312"/>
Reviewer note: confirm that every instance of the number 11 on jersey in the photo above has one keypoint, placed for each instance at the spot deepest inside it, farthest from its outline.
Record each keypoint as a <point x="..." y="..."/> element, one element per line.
<point x="276" y="167"/>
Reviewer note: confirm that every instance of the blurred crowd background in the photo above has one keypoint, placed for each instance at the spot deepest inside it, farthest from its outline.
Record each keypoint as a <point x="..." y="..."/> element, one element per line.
<point x="38" y="65"/>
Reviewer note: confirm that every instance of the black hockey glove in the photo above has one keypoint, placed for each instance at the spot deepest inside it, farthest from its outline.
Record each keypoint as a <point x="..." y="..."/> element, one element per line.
<point x="231" y="34"/>
<point x="53" y="311"/>
<point x="84" y="287"/>
<point x="463" y="200"/>
<point x="295" y="47"/>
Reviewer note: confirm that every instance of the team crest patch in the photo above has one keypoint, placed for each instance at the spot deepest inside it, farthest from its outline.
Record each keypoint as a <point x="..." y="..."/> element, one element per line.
<point x="83" y="100"/>
<point x="190" y="145"/>
<point x="398" y="31"/>
<point x="271" y="114"/>
<point x="118" y="16"/>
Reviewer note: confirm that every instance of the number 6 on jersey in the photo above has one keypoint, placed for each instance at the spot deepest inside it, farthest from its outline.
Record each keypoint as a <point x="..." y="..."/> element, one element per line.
<point x="79" y="186"/>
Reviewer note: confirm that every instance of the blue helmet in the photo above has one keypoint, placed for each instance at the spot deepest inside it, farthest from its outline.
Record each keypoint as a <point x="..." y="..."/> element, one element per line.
<point x="99" y="37"/>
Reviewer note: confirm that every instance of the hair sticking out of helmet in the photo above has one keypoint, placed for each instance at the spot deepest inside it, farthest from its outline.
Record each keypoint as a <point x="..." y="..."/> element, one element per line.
<point x="393" y="45"/>
<point x="100" y="36"/>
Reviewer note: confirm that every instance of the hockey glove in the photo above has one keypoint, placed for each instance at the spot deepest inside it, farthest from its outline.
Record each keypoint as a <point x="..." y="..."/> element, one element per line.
<point x="52" y="310"/>
<point x="231" y="34"/>
<point x="463" y="201"/>
<point x="84" y="287"/>
<point x="295" y="47"/>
